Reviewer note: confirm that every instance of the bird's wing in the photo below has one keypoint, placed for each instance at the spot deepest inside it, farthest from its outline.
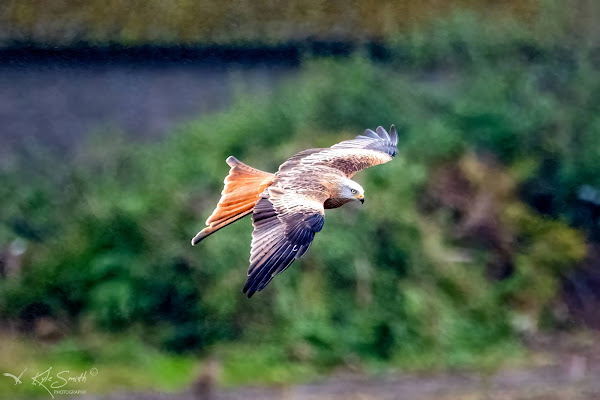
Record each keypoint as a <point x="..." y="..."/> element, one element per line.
<point x="285" y="223"/>
<point x="350" y="156"/>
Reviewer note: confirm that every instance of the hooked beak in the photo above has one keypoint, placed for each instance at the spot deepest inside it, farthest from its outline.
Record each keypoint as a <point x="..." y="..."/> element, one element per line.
<point x="361" y="198"/>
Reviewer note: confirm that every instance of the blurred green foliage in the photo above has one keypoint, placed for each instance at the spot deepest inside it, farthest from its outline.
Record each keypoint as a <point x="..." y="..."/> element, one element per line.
<point x="122" y="362"/>
<point x="513" y="112"/>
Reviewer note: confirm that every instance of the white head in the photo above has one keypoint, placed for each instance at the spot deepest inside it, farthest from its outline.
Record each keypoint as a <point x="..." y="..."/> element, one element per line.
<point x="352" y="191"/>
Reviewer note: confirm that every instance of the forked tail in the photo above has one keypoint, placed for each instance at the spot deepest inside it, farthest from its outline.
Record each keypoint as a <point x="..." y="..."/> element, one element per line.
<point x="243" y="187"/>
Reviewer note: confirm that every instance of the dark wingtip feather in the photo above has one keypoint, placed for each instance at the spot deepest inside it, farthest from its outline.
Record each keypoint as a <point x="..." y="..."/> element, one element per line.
<point x="382" y="133"/>
<point x="245" y="290"/>
<point x="371" y="134"/>
<point x="250" y="286"/>
<point x="386" y="142"/>
<point x="394" y="134"/>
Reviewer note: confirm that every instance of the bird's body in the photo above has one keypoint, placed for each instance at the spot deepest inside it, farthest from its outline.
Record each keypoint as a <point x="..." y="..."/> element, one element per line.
<point x="288" y="207"/>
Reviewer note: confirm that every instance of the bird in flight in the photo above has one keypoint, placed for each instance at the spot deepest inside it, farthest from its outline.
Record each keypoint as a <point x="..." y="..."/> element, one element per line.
<point x="288" y="207"/>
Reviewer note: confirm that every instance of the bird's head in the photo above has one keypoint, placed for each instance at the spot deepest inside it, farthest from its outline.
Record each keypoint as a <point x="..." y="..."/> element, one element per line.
<point x="352" y="191"/>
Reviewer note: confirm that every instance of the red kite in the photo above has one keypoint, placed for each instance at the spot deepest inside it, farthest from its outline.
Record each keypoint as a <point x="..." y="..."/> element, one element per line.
<point x="288" y="207"/>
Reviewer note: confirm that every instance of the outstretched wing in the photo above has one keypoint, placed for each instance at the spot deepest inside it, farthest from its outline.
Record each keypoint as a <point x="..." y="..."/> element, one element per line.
<point x="285" y="224"/>
<point x="350" y="156"/>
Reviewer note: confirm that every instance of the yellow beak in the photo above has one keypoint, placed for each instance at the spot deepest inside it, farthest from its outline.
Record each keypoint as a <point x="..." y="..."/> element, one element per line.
<point x="361" y="198"/>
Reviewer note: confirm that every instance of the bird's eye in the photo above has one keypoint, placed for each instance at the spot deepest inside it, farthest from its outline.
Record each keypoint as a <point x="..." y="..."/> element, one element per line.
<point x="353" y="191"/>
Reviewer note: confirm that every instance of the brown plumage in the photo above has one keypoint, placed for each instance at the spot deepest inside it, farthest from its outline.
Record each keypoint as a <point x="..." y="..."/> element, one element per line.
<point x="288" y="207"/>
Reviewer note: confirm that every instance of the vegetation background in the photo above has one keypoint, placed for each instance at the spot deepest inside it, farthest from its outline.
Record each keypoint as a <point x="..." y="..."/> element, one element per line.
<point x="479" y="237"/>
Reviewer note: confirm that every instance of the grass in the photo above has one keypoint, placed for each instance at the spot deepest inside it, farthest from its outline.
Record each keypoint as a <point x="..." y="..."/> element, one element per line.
<point x="127" y="364"/>
<point x="122" y="364"/>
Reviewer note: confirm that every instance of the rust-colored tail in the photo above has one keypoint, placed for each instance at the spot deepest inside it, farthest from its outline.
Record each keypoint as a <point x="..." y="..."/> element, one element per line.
<point x="243" y="187"/>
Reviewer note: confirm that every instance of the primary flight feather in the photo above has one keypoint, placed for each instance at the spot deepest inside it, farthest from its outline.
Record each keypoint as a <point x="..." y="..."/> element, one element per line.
<point x="288" y="207"/>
